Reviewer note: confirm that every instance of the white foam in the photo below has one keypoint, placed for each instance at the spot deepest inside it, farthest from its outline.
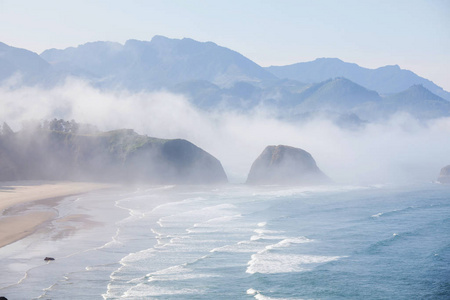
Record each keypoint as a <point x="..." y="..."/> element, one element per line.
<point x="278" y="191"/>
<point x="137" y="256"/>
<point x="266" y="234"/>
<point x="218" y="221"/>
<point x="158" y="236"/>
<point x="289" y="241"/>
<point x="267" y="261"/>
<point x="143" y="291"/>
<point x="223" y="219"/>
<point x="265" y="231"/>
<point x="174" y="206"/>
<point x="199" y="215"/>
<point x="182" y="276"/>
<point x="178" y="272"/>
<point x="170" y="270"/>
<point x="241" y="247"/>
<point x="257" y="295"/>
<point x="99" y="267"/>
<point x="216" y="224"/>
<point x="271" y="263"/>
<point x="266" y="237"/>
<point x="260" y="296"/>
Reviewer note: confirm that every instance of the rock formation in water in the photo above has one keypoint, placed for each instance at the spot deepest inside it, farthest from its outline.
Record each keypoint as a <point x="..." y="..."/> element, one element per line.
<point x="286" y="165"/>
<point x="114" y="156"/>
<point x="444" y="176"/>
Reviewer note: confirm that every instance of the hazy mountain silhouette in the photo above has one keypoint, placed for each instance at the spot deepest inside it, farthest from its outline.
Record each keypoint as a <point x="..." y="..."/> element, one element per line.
<point x="339" y="94"/>
<point x="384" y="80"/>
<point x="343" y="96"/>
<point x="213" y="77"/>
<point x="241" y="95"/>
<point x="162" y="62"/>
<point x="27" y="65"/>
<point x="418" y="101"/>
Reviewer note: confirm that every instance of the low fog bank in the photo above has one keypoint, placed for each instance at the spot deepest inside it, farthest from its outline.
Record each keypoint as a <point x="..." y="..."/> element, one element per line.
<point x="400" y="149"/>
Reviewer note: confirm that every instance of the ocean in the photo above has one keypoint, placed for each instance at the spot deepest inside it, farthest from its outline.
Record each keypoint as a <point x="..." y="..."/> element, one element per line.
<point x="238" y="242"/>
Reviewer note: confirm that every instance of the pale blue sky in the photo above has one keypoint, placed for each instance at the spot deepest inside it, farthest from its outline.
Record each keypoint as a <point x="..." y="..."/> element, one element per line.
<point x="415" y="34"/>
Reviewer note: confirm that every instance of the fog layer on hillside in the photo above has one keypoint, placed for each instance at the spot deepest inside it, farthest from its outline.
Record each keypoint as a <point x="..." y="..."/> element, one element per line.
<point x="400" y="149"/>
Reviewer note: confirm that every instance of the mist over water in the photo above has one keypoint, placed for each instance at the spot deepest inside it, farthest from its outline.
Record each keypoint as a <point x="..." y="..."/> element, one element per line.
<point x="399" y="149"/>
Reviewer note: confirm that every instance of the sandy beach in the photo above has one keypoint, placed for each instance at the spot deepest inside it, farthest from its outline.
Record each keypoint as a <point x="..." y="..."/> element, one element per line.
<point x="17" y="225"/>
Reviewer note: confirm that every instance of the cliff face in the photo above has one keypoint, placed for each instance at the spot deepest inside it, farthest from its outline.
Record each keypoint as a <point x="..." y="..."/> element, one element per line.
<point x="444" y="176"/>
<point x="285" y="165"/>
<point x="119" y="156"/>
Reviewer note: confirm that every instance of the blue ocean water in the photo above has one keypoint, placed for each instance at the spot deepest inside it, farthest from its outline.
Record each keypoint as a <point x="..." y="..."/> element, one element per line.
<point x="237" y="242"/>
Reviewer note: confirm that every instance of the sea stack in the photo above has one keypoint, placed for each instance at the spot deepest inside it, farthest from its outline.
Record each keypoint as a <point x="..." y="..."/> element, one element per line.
<point x="286" y="165"/>
<point x="444" y="176"/>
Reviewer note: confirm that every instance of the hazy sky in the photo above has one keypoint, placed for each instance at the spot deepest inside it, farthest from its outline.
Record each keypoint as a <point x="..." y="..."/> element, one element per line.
<point x="415" y="34"/>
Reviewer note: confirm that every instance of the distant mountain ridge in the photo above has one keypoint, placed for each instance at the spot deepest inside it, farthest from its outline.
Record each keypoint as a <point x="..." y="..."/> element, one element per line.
<point x="340" y="95"/>
<point x="417" y="101"/>
<point x="16" y="61"/>
<point x="384" y="80"/>
<point x="159" y="63"/>
<point x="214" y="77"/>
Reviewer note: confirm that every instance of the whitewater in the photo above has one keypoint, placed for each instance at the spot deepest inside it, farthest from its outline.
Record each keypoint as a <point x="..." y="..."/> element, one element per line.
<point x="239" y="242"/>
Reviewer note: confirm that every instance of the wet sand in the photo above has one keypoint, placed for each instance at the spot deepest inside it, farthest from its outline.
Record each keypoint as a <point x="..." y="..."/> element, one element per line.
<point x="16" y="223"/>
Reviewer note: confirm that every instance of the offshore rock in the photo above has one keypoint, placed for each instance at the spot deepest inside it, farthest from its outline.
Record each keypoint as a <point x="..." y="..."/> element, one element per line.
<point x="286" y="165"/>
<point x="444" y="176"/>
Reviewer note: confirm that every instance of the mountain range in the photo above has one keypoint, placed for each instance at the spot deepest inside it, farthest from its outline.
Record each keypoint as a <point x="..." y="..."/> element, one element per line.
<point x="384" y="80"/>
<point x="162" y="62"/>
<point x="215" y="77"/>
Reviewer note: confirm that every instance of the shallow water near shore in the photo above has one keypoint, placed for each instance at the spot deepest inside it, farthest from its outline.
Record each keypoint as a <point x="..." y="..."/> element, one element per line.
<point x="236" y="242"/>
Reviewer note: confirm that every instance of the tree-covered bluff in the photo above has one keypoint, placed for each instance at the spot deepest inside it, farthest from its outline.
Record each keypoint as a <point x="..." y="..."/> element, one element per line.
<point x="113" y="156"/>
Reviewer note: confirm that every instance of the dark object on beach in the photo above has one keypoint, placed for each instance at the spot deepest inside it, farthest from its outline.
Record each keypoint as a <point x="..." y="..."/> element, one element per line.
<point x="47" y="259"/>
<point x="3" y="298"/>
<point x="286" y="165"/>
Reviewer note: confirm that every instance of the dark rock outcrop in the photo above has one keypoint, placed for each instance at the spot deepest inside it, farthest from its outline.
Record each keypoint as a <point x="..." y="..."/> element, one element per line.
<point x="286" y="165"/>
<point x="114" y="156"/>
<point x="444" y="176"/>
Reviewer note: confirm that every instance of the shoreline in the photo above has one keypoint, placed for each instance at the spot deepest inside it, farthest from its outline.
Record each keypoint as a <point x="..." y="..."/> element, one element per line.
<point x="16" y="222"/>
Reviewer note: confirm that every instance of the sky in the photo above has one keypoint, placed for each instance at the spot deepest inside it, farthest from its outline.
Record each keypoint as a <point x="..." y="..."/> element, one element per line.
<point x="414" y="34"/>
